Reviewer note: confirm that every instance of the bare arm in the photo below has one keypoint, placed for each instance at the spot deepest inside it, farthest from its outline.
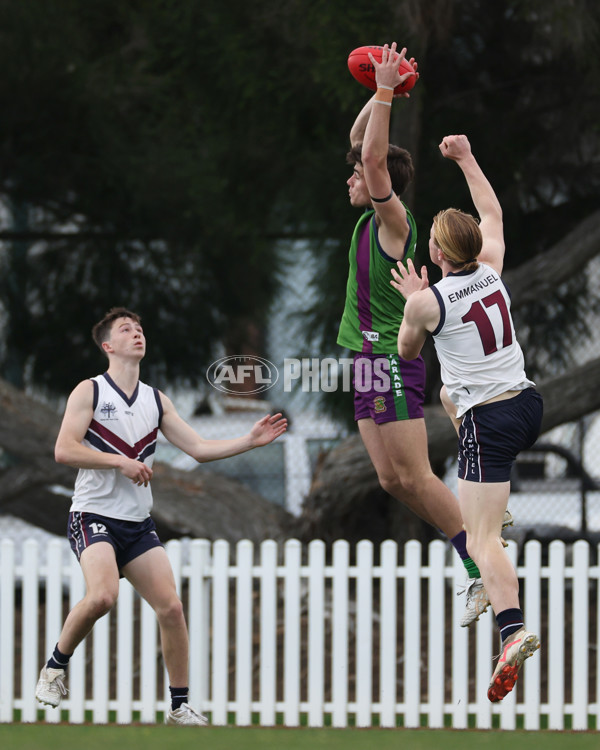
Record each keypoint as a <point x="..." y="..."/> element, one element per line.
<point x="70" y="450"/>
<point x="458" y="148"/>
<point x="183" y="436"/>
<point x="391" y="215"/>
<point x="421" y="312"/>
<point x="357" y="133"/>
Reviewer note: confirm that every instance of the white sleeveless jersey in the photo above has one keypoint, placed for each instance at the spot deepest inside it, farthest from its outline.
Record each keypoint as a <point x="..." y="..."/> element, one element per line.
<point x="128" y="426"/>
<point x="475" y="340"/>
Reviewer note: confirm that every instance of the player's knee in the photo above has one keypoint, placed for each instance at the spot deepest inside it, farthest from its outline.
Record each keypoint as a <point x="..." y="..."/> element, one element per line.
<point x="402" y="485"/>
<point x="390" y="484"/>
<point x="171" y="611"/>
<point x="412" y="485"/>
<point x="101" y="602"/>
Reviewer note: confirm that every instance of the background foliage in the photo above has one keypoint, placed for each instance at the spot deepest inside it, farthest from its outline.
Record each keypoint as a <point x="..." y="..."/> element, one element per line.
<point x="155" y="154"/>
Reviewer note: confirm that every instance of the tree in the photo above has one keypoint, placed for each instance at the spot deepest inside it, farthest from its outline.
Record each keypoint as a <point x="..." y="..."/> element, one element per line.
<point x="345" y="499"/>
<point x="498" y="72"/>
<point x="346" y="492"/>
<point x="37" y="489"/>
<point x="157" y="154"/>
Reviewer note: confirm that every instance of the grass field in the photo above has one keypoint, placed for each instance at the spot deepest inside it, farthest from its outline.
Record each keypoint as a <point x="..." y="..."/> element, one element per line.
<point x="92" y="737"/>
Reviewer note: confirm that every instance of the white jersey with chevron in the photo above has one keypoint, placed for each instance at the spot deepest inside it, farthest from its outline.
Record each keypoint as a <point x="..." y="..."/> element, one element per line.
<point x="475" y="340"/>
<point x="128" y="426"/>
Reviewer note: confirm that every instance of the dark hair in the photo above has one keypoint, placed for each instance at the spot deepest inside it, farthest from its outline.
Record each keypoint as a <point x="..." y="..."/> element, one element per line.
<point x="101" y="331"/>
<point x="399" y="164"/>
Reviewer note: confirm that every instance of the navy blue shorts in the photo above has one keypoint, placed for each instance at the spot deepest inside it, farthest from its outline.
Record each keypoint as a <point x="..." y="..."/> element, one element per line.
<point x="129" y="539"/>
<point x="388" y="388"/>
<point x="491" y="436"/>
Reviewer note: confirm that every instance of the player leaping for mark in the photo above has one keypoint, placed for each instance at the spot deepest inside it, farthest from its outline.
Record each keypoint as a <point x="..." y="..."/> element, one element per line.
<point x="391" y="423"/>
<point x="495" y="407"/>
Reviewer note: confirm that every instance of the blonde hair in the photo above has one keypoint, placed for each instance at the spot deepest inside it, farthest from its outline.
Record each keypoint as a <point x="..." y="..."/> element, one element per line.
<point x="458" y="236"/>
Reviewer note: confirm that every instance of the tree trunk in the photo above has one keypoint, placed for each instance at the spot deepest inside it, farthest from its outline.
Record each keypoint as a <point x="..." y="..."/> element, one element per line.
<point x="537" y="278"/>
<point x="346" y="495"/>
<point x="345" y="498"/>
<point x="201" y="503"/>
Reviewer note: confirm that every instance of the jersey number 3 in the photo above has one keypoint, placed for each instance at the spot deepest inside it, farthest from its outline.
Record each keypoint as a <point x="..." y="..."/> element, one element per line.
<point x="478" y="315"/>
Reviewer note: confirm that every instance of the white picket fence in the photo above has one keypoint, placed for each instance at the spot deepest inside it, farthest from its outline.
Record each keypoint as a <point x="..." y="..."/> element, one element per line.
<point x="289" y="636"/>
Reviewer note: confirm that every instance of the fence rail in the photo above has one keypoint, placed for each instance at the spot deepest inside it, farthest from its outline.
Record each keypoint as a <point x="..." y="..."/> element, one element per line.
<point x="309" y="635"/>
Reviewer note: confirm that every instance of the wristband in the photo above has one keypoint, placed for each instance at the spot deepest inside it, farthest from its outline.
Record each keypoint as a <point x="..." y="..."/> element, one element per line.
<point x="384" y="95"/>
<point x="383" y="200"/>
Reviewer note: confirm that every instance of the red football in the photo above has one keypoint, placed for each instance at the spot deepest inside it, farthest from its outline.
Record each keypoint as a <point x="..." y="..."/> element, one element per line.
<point x="363" y="70"/>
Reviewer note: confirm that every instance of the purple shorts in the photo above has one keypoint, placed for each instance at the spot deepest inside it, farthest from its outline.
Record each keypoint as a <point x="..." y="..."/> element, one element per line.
<point x="388" y="388"/>
<point x="491" y="436"/>
<point x="129" y="539"/>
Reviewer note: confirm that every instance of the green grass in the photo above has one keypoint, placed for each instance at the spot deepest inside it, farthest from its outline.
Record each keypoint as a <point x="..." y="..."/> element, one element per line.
<point x="93" y="737"/>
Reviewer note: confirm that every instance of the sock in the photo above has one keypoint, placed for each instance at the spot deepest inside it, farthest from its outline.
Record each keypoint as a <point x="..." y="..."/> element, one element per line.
<point x="509" y="621"/>
<point x="179" y="695"/>
<point x="58" y="660"/>
<point x="459" y="542"/>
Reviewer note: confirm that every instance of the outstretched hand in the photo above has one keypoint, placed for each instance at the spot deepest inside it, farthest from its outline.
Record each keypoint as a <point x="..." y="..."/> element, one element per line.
<point x="406" y="279"/>
<point x="387" y="71"/>
<point x="267" y="429"/>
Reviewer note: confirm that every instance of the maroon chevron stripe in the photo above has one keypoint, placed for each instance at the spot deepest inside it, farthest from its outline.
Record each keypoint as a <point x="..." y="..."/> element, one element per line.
<point x="131" y="451"/>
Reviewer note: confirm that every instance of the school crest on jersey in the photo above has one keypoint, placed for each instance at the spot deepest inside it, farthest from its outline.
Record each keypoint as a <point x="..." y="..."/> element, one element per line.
<point x="108" y="411"/>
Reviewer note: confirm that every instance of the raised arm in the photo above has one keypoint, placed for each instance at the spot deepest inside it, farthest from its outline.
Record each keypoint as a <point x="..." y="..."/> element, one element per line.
<point x="391" y="214"/>
<point x="357" y="133"/>
<point x="487" y="205"/>
<point x="183" y="436"/>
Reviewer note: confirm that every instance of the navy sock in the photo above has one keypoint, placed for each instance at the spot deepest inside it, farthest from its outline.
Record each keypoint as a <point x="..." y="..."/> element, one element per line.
<point x="178" y="696"/>
<point x="58" y="660"/>
<point x="459" y="542"/>
<point x="509" y="621"/>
